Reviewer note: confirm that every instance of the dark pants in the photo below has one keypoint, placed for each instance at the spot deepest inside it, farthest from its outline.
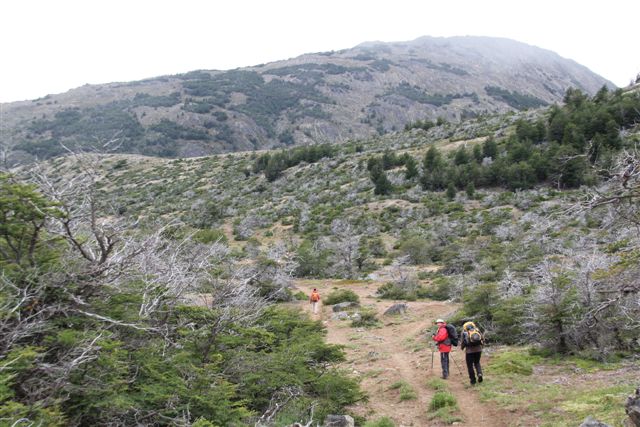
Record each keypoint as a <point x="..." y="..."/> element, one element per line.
<point x="473" y="361"/>
<point x="444" y="361"/>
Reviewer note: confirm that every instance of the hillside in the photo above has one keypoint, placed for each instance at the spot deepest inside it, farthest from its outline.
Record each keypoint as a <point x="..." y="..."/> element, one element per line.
<point x="174" y="291"/>
<point x="373" y="88"/>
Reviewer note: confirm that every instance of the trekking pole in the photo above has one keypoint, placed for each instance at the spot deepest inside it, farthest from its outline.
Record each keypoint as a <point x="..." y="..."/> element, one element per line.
<point x="456" y="363"/>
<point x="432" y="351"/>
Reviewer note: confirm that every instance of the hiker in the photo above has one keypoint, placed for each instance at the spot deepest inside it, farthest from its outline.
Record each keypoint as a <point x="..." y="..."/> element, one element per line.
<point x="472" y="343"/>
<point x="314" y="299"/>
<point x="444" y="346"/>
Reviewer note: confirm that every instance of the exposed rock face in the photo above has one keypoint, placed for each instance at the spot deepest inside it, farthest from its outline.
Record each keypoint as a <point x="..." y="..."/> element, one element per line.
<point x="632" y="408"/>
<point x="396" y="309"/>
<point x="345" y="306"/>
<point x="339" y="421"/>
<point x="324" y="97"/>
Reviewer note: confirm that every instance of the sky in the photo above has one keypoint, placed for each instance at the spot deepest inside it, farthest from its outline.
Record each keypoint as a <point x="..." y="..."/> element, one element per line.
<point x="51" y="46"/>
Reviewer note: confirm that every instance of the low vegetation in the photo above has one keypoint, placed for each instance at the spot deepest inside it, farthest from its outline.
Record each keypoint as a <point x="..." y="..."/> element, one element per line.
<point x="139" y="290"/>
<point x="580" y="387"/>
<point x="444" y="406"/>
<point x="341" y="295"/>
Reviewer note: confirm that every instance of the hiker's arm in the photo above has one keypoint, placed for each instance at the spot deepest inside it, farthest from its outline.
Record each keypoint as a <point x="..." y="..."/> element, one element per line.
<point x="441" y="335"/>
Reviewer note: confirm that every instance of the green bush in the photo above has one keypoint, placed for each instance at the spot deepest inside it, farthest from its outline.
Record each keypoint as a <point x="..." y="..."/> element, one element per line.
<point x="367" y="319"/>
<point x="442" y="399"/>
<point x="440" y="290"/>
<point x="417" y="248"/>
<point x="409" y="291"/>
<point x="300" y="296"/>
<point x="210" y="235"/>
<point x="341" y="295"/>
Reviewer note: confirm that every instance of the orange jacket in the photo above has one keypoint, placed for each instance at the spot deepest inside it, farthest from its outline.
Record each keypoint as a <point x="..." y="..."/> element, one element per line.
<point x="315" y="296"/>
<point x="440" y="338"/>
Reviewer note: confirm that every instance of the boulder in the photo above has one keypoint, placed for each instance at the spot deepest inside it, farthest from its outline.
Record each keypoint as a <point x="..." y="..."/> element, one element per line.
<point x="345" y="306"/>
<point x="339" y="421"/>
<point x="341" y="315"/>
<point x="356" y="317"/>
<point x="632" y="408"/>
<point x="592" y="422"/>
<point x="396" y="309"/>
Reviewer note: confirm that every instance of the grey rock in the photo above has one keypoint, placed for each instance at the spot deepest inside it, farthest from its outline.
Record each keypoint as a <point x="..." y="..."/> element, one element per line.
<point x="592" y="422"/>
<point x="341" y="315"/>
<point x="345" y="306"/>
<point x="339" y="421"/>
<point x="356" y="317"/>
<point x="395" y="309"/>
<point x="632" y="408"/>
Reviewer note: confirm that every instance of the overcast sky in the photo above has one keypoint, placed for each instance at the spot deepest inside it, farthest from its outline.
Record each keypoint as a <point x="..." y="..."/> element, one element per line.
<point x="51" y="46"/>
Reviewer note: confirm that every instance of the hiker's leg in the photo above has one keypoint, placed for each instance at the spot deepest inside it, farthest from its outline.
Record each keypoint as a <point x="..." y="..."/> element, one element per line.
<point x="444" y="357"/>
<point x="476" y="362"/>
<point x="447" y="361"/>
<point x="470" y="359"/>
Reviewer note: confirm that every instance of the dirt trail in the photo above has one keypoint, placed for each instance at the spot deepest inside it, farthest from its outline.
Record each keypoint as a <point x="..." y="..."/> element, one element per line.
<point x="399" y="351"/>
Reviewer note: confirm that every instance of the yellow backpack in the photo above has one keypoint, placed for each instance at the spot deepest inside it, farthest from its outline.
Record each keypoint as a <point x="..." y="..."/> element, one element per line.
<point x="473" y="334"/>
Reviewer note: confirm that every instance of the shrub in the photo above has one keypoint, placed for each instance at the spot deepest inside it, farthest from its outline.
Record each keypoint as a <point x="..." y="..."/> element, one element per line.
<point x="300" y="296"/>
<point x="442" y="399"/>
<point x="440" y="290"/>
<point x="367" y="319"/>
<point x="341" y="295"/>
<point x="408" y="290"/>
<point x="417" y="248"/>
<point x="209" y="235"/>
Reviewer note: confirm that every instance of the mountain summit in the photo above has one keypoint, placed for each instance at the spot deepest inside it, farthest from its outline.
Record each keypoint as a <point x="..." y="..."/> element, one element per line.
<point x="372" y="88"/>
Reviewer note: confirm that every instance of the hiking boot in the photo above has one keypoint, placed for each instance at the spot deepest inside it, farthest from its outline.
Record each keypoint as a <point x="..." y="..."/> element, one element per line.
<point x="473" y="382"/>
<point x="444" y="377"/>
<point x="479" y="378"/>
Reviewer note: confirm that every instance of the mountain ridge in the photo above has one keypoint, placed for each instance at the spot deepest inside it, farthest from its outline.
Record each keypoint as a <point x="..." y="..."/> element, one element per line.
<point x="375" y="87"/>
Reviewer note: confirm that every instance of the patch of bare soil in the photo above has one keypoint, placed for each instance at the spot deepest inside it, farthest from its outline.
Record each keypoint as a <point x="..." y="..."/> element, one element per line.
<point x="400" y="350"/>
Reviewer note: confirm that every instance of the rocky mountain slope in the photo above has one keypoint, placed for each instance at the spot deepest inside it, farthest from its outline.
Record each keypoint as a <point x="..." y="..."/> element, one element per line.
<point x="373" y="88"/>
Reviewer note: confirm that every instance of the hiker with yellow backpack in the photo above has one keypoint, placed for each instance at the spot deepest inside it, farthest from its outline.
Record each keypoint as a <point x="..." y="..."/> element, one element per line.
<point x="472" y="342"/>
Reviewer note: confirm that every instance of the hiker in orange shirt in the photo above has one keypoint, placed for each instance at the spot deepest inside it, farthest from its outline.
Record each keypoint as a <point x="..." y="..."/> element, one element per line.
<point x="314" y="299"/>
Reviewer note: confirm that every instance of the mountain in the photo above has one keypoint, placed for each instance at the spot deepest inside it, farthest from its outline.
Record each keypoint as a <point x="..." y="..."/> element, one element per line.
<point x="372" y="88"/>
<point x="156" y="291"/>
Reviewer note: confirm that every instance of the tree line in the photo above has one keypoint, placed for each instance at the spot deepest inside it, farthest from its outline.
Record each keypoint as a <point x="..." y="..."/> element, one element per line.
<point x="561" y="149"/>
<point x="273" y="164"/>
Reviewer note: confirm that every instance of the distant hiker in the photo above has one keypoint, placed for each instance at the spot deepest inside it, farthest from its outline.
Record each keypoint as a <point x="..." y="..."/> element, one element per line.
<point x="444" y="346"/>
<point x="314" y="299"/>
<point x="472" y="343"/>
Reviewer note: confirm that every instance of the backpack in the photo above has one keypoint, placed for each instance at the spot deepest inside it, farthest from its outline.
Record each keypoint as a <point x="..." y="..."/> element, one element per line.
<point x="473" y="334"/>
<point x="315" y="297"/>
<point x="453" y="334"/>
